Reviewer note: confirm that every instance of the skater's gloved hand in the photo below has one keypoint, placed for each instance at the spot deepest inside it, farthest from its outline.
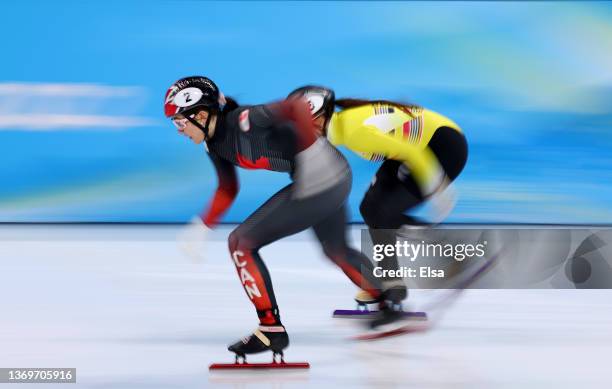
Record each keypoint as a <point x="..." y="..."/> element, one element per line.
<point x="442" y="202"/>
<point x="192" y="239"/>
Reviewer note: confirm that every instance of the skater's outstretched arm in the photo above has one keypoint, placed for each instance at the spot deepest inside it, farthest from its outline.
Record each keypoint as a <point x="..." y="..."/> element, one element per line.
<point x="226" y="192"/>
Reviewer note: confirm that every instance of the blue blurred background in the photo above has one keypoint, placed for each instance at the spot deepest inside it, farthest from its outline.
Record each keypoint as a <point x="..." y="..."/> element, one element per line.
<point x="83" y="138"/>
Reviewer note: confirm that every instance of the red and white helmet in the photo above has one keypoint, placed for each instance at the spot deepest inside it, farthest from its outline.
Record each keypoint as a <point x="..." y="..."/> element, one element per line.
<point x="189" y="94"/>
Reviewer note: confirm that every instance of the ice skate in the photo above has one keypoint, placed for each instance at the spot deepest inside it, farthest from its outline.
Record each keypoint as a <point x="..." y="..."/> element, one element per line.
<point x="389" y="316"/>
<point x="390" y="319"/>
<point x="363" y="311"/>
<point x="265" y="338"/>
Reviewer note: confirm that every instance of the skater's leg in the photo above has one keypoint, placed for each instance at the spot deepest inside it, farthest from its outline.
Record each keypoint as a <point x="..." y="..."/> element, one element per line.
<point x="387" y="199"/>
<point x="282" y="215"/>
<point x="255" y="279"/>
<point x="331" y="232"/>
<point x="383" y="208"/>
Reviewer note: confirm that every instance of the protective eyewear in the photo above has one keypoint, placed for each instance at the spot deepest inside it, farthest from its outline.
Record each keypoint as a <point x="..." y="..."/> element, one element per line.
<point x="181" y="123"/>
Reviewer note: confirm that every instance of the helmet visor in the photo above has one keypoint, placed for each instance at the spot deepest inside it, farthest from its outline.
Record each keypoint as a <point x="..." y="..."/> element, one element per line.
<point x="180" y="123"/>
<point x="315" y="103"/>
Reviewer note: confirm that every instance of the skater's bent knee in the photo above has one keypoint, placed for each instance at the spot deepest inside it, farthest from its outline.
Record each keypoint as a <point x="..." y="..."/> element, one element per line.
<point x="239" y="241"/>
<point x="232" y="241"/>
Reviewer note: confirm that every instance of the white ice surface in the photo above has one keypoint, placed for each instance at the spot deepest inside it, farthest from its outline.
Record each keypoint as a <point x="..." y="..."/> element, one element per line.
<point x="128" y="310"/>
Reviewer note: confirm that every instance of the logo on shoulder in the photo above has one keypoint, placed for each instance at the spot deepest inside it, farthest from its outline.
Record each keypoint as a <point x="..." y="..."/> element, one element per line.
<point x="243" y="120"/>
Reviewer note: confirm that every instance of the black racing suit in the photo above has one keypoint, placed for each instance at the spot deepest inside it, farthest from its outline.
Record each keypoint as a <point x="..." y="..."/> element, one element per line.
<point x="272" y="137"/>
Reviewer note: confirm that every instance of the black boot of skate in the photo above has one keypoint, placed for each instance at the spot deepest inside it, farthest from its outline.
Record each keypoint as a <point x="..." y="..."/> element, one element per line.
<point x="391" y="311"/>
<point x="265" y="338"/>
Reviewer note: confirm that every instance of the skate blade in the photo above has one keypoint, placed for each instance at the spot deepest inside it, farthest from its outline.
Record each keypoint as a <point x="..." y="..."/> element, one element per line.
<point x="358" y="314"/>
<point x="403" y="330"/>
<point x="269" y="365"/>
